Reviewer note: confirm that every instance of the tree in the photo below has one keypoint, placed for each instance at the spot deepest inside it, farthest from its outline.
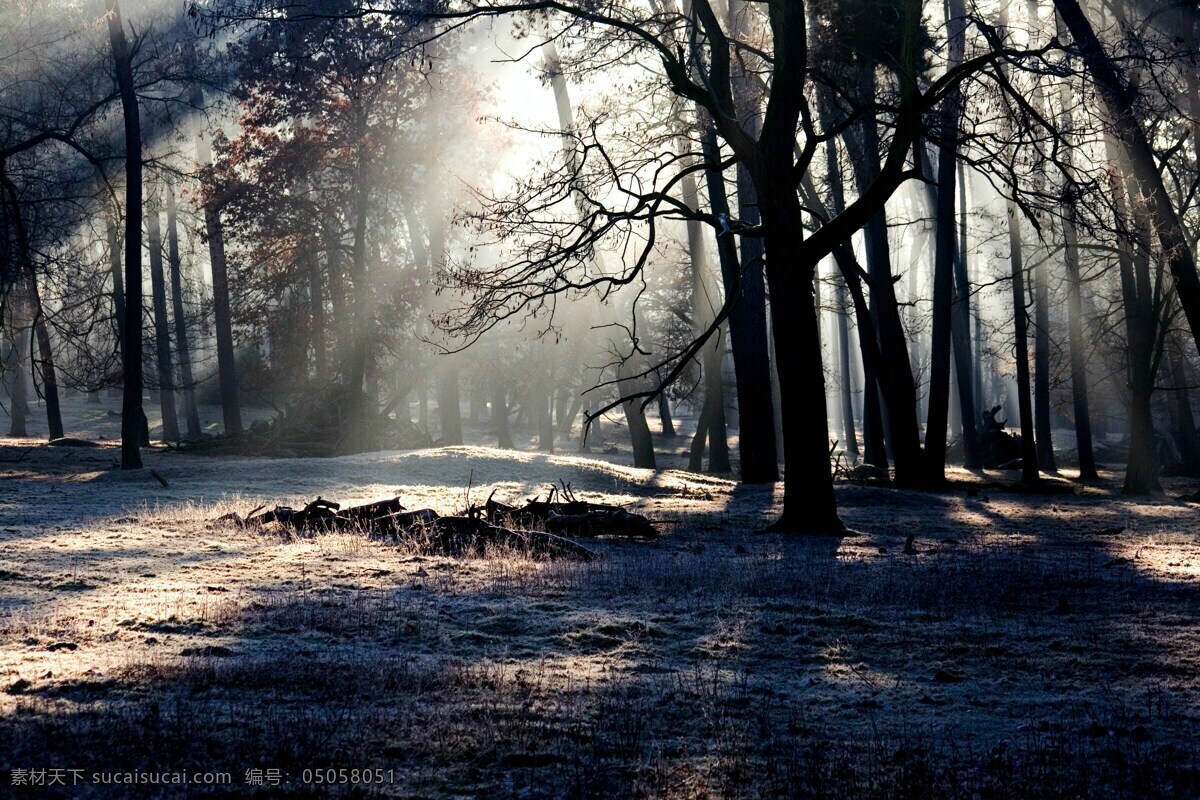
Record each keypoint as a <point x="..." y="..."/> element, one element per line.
<point x="131" y="404"/>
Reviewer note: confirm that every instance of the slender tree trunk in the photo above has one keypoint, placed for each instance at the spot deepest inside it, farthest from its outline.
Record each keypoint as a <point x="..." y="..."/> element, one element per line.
<point x="945" y="257"/>
<point x="849" y="436"/>
<point x="316" y="304"/>
<point x="118" y="288"/>
<point x="222" y="316"/>
<point x="181" y="338"/>
<point x="965" y="370"/>
<point x="901" y="430"/>
<point x="16" y="370"/>
<point x="132" y="415"/>
<point x="1029" y="463"/>
<point x="162" y="334"/>
<point x="747" y="381"/>
<point x="46" y="356"/>
<point x="1185" y="420"/>
<point x="705" y="302"/>
<point x="1078" y="347"/>
<point x="1120" y="102"/>
<point x="748" y="329"/>
<point x="1141" y="327"/>
<point x="972" y="320"/>
<point x="26" y="295"/>
<point x="874" y="450"/>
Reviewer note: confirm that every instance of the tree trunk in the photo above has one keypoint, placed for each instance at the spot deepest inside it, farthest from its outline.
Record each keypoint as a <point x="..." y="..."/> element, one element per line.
<point x="1029" y="464"/>
<point x="664" y="416"/>
<point x="809" y="504"/>
<point x="46" y="356"/>
<point x="181" y="338"/>
<point x="118" y="289"/>
<point x="849" y="436"/>
<point x="16" y="370"/>
<point x="705" y="302"/>
<point x="746" y="365"/>
<point x="975" y="320"/>
<point x="132" y="415"/>
<point x="748" y="330"/>
<point x="945" y="256"/>
<point x="316" y="305"/>
<point x="639" y="431"/>
<point x="222" y="318"/>
<point x="874" y="450"/>
<point x="1120" y="102"/>
<point x="162" y="330"/>
<point x="1078" y="346"/>
<point x="1185" y="419"/>
<point x="898" y="389"/>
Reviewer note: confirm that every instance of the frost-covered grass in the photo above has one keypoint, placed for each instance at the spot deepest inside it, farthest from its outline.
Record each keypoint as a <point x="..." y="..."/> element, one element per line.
<point x="1028" y="649"/>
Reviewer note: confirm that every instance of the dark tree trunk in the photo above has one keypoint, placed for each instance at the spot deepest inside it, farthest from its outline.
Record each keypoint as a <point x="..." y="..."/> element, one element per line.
<point x="1120" y="101"/>
<point x="1041" y="369"/>
<point x="705" y="302"/>
<point x="898" y="389"/>
<point x="1141" y="328"/>
<point x="132" y="416"/>
<point x="751" y="378"/>
<point x="46" y="356"/>
<point x="849" y="436"/>
<point x="809" y="504"/>
<point x="973" y="320"/>
<point x="664" y="416"/>
<point x="181" y="338"/>
<point x="945" y="256"/>
<point x="1185" y="419"/>
<point x="356" y="359"/>
<point x="1029" y="464"/>
<point x="22" y="262"/>
<point x="162" y="330"/>
<point x="118" y="288"/>
<point x="748" y="330"/>
<point x="874" y="450"/>
<point x="16" y="372"/>
<point x="316" y="305"/>
<point x="1078" y="346"/>
<point x="222" y="317"/>
<point x="639" y="431"/>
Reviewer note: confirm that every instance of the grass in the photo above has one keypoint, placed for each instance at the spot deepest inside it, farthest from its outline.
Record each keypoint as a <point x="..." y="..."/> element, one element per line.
<point x="1018" y="654"/>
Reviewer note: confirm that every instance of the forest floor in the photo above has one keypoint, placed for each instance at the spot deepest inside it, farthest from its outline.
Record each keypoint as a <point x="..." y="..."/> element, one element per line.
<point x="1033" y="646"/>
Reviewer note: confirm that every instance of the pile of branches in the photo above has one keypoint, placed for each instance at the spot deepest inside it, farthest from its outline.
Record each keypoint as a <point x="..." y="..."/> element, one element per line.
<point x="538" y="528"/>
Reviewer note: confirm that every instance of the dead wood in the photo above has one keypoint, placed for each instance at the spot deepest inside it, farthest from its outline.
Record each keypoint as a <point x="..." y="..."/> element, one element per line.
<point x="565" y="514"/>
<point x="430" y="532"/>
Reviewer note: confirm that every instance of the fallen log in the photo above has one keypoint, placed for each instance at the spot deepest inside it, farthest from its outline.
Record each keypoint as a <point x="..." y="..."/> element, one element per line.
<point x="424" y="528"/>
<point x="570" y="516"/>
